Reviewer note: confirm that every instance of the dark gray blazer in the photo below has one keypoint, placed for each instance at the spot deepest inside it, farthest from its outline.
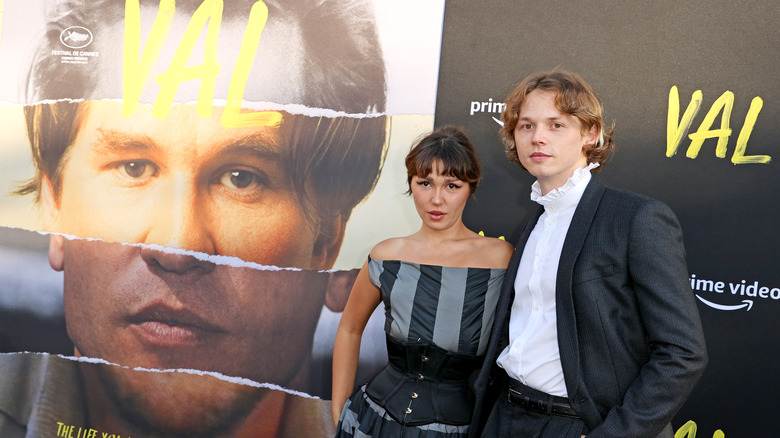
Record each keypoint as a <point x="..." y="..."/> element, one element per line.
<point x="629" y="333"/>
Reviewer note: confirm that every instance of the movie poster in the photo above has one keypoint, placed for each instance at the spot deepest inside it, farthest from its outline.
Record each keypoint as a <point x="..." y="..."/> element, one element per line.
<point x="187" y="191"/>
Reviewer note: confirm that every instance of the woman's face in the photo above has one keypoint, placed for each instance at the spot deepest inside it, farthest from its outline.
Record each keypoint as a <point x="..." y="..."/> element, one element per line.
<point x="440" y="199"/>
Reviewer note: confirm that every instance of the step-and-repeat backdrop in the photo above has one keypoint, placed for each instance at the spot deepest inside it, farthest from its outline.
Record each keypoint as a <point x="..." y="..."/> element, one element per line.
<point x="694" y="94"/>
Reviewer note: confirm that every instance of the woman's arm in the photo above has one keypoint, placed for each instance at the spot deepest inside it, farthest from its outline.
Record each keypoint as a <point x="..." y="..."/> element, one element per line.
<point x="363" y="299"/>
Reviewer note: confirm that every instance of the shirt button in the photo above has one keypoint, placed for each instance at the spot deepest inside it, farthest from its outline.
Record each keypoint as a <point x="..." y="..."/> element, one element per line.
<point x="414" y="395"/>
<point x="420" y="377"/>
<point x="536" y="307"/>
<point x="408" y="410"/>
<point x="425" y="358"/>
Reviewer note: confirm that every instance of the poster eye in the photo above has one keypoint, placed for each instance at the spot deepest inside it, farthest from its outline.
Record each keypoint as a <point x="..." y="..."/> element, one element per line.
<point x="135" y="169"/>
<point x="239" y="179"/>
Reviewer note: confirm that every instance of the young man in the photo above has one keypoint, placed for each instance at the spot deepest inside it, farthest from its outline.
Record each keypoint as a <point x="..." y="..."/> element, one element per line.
<point x="270" y="194"/>
<point x="597" y="332"/>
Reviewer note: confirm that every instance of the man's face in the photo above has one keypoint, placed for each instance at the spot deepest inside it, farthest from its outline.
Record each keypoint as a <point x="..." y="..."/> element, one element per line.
<point x="549" y="144"/>
<point x="186" y="183"/>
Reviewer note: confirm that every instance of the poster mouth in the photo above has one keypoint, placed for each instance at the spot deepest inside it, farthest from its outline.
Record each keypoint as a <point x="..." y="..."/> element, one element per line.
<point x="164" y="326"/>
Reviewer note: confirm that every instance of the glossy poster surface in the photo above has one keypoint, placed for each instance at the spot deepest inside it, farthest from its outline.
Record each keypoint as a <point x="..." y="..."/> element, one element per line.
<point x="187" y="191"/>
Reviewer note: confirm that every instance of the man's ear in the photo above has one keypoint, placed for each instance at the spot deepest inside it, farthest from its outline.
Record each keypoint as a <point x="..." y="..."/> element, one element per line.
<point x="590" y="138"/>
<point x="339" y="285"/>
<point x="50" y="207"/>
<point x="56" y="252"/>
<point x="328" y="244"/>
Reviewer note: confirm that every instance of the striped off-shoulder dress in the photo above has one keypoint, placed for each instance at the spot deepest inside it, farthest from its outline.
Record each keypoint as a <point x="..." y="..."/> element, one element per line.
<point x="437" y="324"/>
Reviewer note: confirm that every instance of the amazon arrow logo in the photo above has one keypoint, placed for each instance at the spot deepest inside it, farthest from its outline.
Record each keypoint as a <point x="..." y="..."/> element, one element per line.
<point x="745" y="303"/>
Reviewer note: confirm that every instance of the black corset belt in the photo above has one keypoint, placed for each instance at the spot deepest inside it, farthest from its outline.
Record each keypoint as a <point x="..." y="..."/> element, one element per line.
<point x="425" y="384"/>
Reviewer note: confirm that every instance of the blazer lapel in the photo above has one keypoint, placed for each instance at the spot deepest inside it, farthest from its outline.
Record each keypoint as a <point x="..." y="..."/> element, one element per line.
<point x="572" y="245"/>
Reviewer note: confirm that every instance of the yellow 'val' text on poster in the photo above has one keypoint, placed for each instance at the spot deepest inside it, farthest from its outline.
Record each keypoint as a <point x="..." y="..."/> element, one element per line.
<point x="210" y="11"/>
<point x="137" y="65"/>
<point x="134" y="75"/>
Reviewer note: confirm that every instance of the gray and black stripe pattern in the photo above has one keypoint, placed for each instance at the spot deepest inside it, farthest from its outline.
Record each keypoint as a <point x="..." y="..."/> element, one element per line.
<point x="438" y="304"/>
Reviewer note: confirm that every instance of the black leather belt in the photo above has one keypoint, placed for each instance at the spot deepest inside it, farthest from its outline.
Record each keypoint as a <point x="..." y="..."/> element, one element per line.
<point x="519" y="396"/>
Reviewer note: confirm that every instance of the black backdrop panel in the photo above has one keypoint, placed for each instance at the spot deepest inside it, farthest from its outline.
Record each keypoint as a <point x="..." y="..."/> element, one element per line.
<point x="633" y="54"/>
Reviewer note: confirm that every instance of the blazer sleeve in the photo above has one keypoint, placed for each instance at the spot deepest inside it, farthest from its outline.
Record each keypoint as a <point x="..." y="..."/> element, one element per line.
<point x="668" y="312"/>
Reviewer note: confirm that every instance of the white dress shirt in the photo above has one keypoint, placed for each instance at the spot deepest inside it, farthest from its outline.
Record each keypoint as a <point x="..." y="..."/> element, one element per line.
<point x="532" y="355"/>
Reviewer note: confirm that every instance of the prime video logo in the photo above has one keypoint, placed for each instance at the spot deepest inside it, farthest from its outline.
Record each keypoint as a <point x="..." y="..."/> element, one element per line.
<point x="749" y="291"/>
<point x="488" y="106"/>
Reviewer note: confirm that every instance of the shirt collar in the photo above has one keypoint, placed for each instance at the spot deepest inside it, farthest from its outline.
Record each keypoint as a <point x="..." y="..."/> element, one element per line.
<point x="575" y="185"/>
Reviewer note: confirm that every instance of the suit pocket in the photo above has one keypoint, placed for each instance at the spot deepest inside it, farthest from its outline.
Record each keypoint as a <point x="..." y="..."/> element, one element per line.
<point x="593" y="273"/>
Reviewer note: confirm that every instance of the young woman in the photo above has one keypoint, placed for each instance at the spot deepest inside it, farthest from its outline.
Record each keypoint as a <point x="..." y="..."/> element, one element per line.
<point x="439" y="287"/>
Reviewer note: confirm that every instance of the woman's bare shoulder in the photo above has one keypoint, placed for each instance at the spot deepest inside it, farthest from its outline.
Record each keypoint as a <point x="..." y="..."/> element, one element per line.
<point x="389" y="249"/>
<point x="495" y="252"/>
